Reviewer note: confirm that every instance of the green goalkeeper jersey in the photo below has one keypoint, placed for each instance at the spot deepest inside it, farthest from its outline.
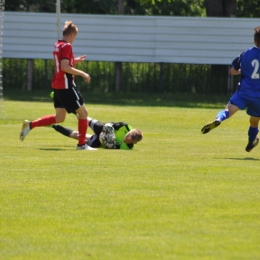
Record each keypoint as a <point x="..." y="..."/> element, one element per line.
<point x="121" y="129"/>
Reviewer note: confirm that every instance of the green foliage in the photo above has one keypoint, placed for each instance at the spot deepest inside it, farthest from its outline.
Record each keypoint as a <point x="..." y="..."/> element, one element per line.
<point x="137" y="77"/>
<point x="178" y="195"/>
<point x="10" y="69"/>
<point x="31" y="5"/>
<point x="132" y="7"/>
<point x="249" y="9"/>
<point x="176" y="8"/>
<point x="90" y="6"/>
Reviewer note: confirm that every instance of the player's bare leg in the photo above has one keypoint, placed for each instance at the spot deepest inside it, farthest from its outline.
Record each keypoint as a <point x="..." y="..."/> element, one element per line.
<point x="221" y="116"/>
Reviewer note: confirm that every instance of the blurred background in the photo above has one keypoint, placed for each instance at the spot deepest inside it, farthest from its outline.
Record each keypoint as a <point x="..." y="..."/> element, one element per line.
<point x="134" y="77"/>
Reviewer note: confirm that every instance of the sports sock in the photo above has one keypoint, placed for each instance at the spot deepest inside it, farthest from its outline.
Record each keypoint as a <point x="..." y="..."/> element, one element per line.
<point x="82" y="129"/>
<point x="43" y="121"/>
<point x="63" y="130"/>
<point x="91" y="123"/>
<point x="222" y="115"/>
<point x="252" y="133"/>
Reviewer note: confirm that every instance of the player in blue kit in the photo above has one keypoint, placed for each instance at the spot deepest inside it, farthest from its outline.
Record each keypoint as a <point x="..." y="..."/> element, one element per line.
<point x="247" y="94"/>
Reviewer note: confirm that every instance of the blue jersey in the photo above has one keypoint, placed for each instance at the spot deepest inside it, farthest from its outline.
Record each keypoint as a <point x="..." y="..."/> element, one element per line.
<point x="249" y="63"/>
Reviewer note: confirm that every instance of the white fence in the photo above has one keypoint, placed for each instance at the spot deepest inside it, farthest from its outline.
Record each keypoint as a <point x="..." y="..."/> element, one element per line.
<point x="192" y="40"/>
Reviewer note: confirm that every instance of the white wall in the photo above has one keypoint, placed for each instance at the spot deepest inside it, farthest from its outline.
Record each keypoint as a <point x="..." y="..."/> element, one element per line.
<point x="192" y="40"/>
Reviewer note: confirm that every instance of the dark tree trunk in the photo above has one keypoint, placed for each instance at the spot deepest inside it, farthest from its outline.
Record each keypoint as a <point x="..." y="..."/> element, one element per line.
<point x="230" y="8"/>
<point x="214" y="7"/>
<point x="220" y="8"/>
<point x="118" y="86"/>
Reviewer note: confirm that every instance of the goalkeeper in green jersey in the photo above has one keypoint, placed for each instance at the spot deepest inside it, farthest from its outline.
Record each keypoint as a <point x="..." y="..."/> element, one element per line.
<point x="125" y="136"/>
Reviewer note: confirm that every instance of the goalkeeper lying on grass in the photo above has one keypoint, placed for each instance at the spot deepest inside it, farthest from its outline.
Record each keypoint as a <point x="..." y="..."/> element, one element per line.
<point x="111" y="135"/>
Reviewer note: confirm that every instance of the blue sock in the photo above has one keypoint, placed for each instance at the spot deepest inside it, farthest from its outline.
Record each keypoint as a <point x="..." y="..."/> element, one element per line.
<point x="222" y="115"/>
<point x="252" y="133"/>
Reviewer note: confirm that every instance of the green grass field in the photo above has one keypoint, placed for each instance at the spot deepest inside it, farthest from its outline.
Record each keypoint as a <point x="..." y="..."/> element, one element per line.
<point x="178" y="195"/>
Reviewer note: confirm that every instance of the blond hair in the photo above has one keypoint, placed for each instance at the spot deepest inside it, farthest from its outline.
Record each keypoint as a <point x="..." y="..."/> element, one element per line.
<point x="69" y="28"/>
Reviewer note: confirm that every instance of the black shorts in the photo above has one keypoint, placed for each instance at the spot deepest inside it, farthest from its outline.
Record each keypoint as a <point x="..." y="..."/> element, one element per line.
<point x="97" y="128"/>
<point x="94" y="141"/>
<point x="70" y="99"/>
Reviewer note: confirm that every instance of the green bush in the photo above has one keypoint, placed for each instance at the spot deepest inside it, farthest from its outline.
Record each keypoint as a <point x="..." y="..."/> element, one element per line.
<point x="136" y="77"/>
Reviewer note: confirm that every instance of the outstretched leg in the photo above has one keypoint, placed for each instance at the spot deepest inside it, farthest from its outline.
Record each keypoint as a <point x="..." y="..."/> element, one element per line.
<point x="43" y="121"/>
<point x="95" y="125"/>
<point x="221" y="116"/>
<point x="63" y="130"/>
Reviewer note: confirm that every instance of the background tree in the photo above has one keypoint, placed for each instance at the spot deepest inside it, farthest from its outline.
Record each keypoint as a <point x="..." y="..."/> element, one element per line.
<point x="30" y="5"/>
<point x="214" y="8"/>
<point x="249" y="9"/>
<point x="132" y="7"/>
<point x="165" y="7"/>
<point x="220" y="8"/>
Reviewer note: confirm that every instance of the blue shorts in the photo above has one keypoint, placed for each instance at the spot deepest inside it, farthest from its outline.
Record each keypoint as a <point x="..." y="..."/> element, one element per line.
<point x="242" y="101"/>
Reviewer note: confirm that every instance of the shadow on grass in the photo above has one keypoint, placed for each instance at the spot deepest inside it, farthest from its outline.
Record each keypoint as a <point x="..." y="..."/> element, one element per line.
<point x="244" y="159"/>
<point x="127" y="99"/>
<point x="53" y="149"/>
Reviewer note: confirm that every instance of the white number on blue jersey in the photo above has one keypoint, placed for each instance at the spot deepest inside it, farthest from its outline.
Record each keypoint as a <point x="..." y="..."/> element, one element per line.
<point x="255" y="74"/>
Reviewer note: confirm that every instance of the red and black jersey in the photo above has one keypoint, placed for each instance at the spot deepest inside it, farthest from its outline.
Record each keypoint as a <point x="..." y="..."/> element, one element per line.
<point x="62" y="80"/>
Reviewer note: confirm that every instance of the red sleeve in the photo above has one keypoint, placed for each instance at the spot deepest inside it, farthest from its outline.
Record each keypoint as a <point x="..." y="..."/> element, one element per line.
<point x="66" y="51"/>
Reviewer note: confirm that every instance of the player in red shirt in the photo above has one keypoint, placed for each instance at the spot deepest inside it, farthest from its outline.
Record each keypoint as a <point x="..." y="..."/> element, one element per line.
<point x="67" y="98"/>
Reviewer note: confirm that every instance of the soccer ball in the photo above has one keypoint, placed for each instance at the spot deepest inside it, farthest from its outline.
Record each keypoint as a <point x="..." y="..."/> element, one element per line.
<point x="108" y="128"/>
<point x="107" y="137"/>
<point x="107" y="140"/>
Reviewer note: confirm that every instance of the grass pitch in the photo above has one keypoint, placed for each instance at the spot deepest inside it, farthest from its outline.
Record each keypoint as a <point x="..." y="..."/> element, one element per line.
<point x="178" y="195"/>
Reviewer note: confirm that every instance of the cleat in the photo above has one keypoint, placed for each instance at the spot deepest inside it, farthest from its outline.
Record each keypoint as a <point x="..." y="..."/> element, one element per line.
<point x="25" y="129"/>
<point x="208" y="127"/>
<point x="85" y="147"/>
<point x="249" y="146"/>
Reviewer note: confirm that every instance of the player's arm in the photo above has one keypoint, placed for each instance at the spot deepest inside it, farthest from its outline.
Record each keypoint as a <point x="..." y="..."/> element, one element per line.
<point x="68" y="132"/>
<point x="75" y="135"/>
<point x="65" y="66"/>
<point x="118" y="125"/>
<point x="236" y="69"/>
<point x="80" y="59"/>
<point x="235" y="72"/>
